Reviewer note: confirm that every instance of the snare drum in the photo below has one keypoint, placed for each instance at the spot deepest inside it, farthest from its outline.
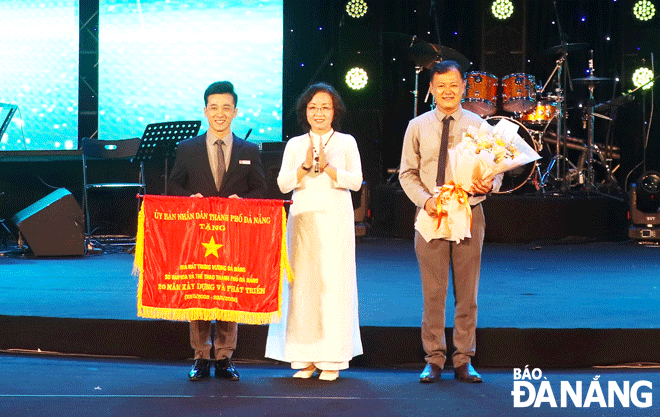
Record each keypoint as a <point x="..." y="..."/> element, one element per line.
<point x="518" y="92"/>
<point x="542" y="114"/>
<point x="481" y="93"/>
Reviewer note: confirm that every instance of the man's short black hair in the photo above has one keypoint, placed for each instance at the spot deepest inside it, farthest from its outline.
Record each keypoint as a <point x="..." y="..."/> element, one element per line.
<point x="444" y="67"/>
<point x="220" y="87"/>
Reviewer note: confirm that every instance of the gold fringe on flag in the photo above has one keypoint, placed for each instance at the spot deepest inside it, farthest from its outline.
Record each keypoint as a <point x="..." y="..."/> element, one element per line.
<point x="285" y="267"/>
<point x="202" y="313"/>
<point x="138" y="261"/>
<point x="284" y="263"/>
<point x="208" y="314"/>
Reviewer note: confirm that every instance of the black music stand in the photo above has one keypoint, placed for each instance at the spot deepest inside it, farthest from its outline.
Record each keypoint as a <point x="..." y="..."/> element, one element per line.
<point x="6" y="113"/>
<point x="160" y="140"/>
<point x="5" y="233"/>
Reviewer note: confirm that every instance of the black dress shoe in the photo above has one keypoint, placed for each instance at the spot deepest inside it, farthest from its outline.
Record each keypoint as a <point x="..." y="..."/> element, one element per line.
<point x="224" y="369"/>
<point x="466" y="373"/>
<point x="431" y="373"/>
<point x="200" y="370"/>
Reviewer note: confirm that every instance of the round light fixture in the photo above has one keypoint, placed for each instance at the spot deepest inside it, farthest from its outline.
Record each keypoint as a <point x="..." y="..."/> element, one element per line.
<point x="644" y="10"/>
<point x="356" y="8"/>
<point x="356" y="78"/>
<point x="502" y="9"/>
<point x="641" y="77"/>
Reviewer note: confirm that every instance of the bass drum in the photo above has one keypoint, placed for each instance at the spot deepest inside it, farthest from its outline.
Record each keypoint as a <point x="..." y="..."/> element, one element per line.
<point x="516" y="178"/>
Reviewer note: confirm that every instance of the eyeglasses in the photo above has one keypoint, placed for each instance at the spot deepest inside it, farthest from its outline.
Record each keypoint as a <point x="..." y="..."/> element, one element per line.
<point x="314" y="109"/>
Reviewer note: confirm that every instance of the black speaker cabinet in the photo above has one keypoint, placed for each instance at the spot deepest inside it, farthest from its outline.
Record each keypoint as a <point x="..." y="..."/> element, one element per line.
<point x="53" y="226"/>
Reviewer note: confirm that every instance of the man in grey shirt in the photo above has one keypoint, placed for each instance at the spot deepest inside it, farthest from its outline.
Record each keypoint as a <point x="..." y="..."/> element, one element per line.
<point x="423" y="167"/>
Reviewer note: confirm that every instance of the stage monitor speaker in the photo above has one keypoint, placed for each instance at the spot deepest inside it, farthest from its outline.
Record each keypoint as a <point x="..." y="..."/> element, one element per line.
<point x="53" y="226"/>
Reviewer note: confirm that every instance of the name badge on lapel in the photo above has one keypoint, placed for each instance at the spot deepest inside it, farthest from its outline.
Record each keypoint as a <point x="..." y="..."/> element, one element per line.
<point x="244" y="161"/>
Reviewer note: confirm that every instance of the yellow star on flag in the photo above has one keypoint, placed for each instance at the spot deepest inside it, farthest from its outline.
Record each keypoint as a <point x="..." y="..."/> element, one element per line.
<point x="212" y="248"/>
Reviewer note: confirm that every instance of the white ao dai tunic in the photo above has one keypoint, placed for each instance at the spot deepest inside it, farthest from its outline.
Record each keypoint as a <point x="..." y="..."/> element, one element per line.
<point x="320" y="308"/>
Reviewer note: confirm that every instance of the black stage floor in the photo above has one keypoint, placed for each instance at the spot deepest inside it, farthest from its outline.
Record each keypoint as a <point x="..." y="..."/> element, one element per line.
<point x="64" y="387"/>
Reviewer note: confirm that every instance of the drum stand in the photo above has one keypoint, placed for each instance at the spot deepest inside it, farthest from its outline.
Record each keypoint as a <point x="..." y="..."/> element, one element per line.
<point x="589" y="118"/>
<point x="562" y="134"/>
<point x="415" y="92"/>
<point x="589" y="184"/>
<point x="418" y="69"/>
<point x="537" y="176"/>
<point x="560" y="161"/>
<point x="589" y="181"/>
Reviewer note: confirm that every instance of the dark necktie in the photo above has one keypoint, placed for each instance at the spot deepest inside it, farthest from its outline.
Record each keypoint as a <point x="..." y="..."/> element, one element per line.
<point x="221" y="164"/>
<point x="442" y="156"/>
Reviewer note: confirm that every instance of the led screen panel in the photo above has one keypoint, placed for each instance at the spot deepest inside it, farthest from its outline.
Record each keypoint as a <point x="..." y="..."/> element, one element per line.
<point x="39" y="73"/>
<point x="156" y="58"/>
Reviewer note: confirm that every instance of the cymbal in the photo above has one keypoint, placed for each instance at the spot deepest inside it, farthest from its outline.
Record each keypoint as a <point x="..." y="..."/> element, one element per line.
<point x="557" y="49"/>
<point x="425" y="54"/>
<point x="591" y="80"/>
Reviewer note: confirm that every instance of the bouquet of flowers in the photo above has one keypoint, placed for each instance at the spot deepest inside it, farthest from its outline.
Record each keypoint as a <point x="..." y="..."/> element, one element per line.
<point x="482" y="153"/>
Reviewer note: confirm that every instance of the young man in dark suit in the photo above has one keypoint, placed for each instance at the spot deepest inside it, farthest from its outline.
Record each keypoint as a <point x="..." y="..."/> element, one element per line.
<point x="217" y="164"/>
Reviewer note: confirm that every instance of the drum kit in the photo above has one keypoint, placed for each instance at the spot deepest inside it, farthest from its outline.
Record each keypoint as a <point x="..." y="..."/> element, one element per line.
<point x="541" y="116"/>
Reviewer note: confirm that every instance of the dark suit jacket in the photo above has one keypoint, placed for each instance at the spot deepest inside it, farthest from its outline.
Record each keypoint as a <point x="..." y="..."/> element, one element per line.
<point x="192" y="174"/>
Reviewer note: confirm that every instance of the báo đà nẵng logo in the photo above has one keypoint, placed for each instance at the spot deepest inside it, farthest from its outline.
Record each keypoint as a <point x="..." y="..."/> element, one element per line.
<point x="532" y="389"/>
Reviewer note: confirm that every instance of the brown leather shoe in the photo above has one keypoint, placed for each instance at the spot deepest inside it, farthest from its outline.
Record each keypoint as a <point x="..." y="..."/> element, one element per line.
<point x="431" y="373"/>
<point x="466" y="373"/>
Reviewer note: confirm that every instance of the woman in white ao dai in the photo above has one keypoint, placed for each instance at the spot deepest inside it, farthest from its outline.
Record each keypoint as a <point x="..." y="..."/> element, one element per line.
<point x="319" y="327"/>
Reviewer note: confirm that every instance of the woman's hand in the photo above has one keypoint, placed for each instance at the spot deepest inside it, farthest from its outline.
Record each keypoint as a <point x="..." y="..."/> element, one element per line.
<point x="306" y="166"/>
<point x="309" y="159"/>
<point x="323" y="161"/>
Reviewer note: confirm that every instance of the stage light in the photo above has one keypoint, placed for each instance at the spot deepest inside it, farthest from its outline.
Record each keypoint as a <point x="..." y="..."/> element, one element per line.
<point x="644" y="10"/>
<point x="641" y="77"/>
<point x="645" y="209"/>
<point x="502" y="9"/>
<point x="650" y="182"/>
<point x="645" y="199"/>
<point x="356" y="78"/>
<point x="356" y="8"/>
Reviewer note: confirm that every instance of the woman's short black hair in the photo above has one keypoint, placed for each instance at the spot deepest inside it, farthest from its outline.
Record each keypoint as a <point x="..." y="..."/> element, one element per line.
<point x="304" y="99"/>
